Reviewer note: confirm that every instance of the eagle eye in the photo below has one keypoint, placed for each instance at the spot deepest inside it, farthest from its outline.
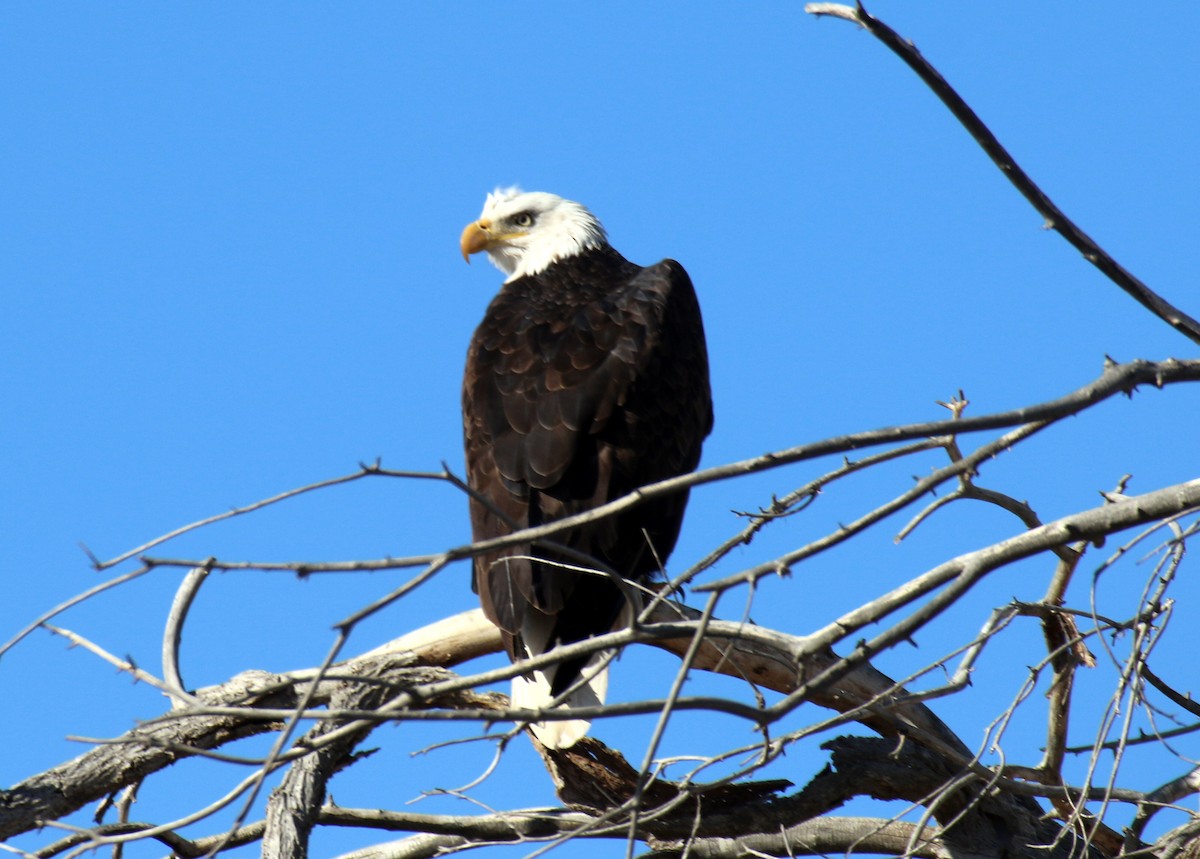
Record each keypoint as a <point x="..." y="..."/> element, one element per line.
<point x="523" y="219"/>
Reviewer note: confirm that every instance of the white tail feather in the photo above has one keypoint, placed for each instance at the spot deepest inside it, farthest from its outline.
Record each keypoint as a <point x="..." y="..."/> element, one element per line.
<point x="533" y="692"/>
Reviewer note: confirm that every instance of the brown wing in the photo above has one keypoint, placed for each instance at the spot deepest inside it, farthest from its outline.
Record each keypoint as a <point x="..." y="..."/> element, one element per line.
<point x="574" y="396"/>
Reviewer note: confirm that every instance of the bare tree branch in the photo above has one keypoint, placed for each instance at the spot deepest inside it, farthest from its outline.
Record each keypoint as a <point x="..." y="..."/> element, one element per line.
<point x="295" y="805"/>
<point x="1116" y="379"/>
<point x="960" y="801"/>
<point x="827" y="836"/>
<point x="1055" y="217"/>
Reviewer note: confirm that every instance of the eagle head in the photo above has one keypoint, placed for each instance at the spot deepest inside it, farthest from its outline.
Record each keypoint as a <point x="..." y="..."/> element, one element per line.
<point x="524" y="232"/>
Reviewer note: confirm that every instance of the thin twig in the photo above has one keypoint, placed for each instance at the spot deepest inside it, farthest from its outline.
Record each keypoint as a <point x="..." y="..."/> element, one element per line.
<point x="1055" y="218"/>
<point x="1116" y="379"/>
<point x="660" y="728"/>
<point x="41" y="619"/>
<point x="364" y="471"/>
<point x="116" y="661"/>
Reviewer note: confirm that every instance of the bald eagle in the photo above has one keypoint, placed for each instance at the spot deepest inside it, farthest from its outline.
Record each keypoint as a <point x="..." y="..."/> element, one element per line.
<point x="586" y="379"/>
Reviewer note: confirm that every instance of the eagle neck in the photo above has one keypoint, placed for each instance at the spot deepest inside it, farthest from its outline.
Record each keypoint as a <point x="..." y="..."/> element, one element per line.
<point x="593" y="271"/>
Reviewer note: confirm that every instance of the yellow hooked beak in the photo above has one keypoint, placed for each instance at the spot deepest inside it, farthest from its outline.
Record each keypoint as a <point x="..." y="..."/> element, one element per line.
<point x="480" y="236"/>
<point x="475" y="238"/>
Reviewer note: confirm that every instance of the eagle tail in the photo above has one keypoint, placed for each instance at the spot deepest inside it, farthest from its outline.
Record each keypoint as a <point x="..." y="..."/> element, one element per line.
<point x="532" y="692"/>
<point x="538" y="690"/>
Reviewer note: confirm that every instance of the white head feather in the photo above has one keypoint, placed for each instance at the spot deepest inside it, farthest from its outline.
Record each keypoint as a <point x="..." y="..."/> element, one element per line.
<point x="531" y="230"/>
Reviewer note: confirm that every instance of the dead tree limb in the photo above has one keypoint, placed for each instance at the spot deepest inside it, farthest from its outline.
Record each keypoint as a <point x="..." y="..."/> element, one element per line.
<point x="1056" y="219"/>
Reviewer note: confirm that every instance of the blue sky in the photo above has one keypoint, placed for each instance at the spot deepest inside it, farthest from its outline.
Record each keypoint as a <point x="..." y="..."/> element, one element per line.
<point x="231" y="269"/>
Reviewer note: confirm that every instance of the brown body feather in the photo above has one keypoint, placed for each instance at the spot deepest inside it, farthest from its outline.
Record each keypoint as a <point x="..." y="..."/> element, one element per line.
<point x="583" y="382"/>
